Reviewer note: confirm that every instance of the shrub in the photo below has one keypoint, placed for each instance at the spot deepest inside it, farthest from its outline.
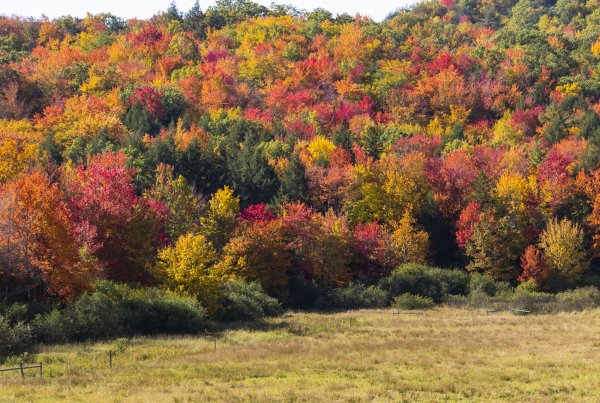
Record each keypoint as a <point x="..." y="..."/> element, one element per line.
<point x="525" y="297"/>
<point x="486" y="285"/>
<point x="13" y="339"/>
<point x="455" y="282"/>
<point x="247" y="301"/>
<point x="529" y="286"/>
<point x="355" y="296"/>
<point x="18" y="312"/>
<point x="426" y="281"/>
<point x="412" y="302"/>
<point x="579" y="299"/>
<point x="528" y="300"/>
<point x="115" y="310"/>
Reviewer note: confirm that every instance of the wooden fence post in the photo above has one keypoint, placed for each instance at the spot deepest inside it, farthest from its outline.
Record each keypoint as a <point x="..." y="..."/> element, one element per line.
<point x="41" y="371"/>
<point x="22" y="372"/>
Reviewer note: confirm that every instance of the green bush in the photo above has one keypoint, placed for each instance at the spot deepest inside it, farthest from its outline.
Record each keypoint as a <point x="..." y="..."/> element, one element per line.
<point x="529" y="286"/>
<point x="116" y="310"/>
<point x="533" y="301"/>
<point x="247" y="301"/>
<point x="579" y="299"/>
<point x="355" y="296"/>
<point x="14" y="339"/>
<point x="525" y="297"/>
<point x="412" y="302"/>
<point x="426" y="281"/>
<point x="486" y="285"/>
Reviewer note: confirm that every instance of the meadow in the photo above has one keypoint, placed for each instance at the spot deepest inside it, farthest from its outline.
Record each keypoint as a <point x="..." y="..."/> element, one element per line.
<point x="445" y="354"/>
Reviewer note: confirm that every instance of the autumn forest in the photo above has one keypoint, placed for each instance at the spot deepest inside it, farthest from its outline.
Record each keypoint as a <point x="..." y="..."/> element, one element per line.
<point x="240" y="152"/>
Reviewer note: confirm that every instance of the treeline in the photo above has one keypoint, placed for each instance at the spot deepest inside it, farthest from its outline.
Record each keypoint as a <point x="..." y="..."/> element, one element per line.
<point x="297" y="150"/>
<point x="117" y="310"/>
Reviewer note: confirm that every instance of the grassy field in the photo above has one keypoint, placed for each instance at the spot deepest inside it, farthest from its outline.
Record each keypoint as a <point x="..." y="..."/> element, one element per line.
<point x="440" y="355"/>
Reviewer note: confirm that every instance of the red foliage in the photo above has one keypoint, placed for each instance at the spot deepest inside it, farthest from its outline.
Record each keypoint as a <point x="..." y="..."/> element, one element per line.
<point x="442" y="62"/>
<point x="257" y="115"/>
<point x="257" y="213"/>
<point x="38" y="236"/>
<point x="151" y="99"/>
<point x="452" y="178"/>
<point x="527" y="119"/>
<point x="534" y="266"/>
<point x="124" y="229"/>
<point x="372" y="253"/>
<point x="418" y="143"/>
<point x="348" y="110"/>
<point x="297" y="126"/>
<point x="214" y="56"/>
<point x="148" y="36"/>
<point x="553" y="169"/>
<point x="469" y="217"/>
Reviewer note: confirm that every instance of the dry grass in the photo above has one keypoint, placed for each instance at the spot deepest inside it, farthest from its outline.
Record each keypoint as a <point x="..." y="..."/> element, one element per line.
<point x="442" y="355"/>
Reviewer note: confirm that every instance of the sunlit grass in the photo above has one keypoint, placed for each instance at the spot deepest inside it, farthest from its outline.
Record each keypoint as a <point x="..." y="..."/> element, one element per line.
<point x="441" y="355"/>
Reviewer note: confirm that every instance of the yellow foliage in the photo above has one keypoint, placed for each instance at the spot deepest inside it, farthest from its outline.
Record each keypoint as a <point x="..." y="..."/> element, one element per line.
<point x="320" y="149"/>
<point x="435" y="127"/>
<point x="18" y="147"/>
<point x="563" y="246"/>
<point x="569" y="89"/>
<point x="516" y="190"/>
<point x="410" y="244"/>
<point x="219" y="221"/>
<point x="85" y="117"/>
<point x="442" y="123"/>
<point x="383" y="192"/>
<point x="15" y="155"/>
<point x="190" y="266"/>
<point x="596" y="48"/>
<point x="505" y="132"/>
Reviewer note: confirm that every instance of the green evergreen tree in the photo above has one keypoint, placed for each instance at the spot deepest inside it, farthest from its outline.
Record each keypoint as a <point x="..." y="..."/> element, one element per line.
<point x="138" y="120"/>
<point x="173" y="13"/>
<point x="294" y="184"/>
<point x="250" y="174"/>
<point x="194" y="20"/>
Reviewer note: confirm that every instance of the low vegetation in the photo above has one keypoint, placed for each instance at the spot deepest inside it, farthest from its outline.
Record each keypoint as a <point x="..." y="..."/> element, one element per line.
<point x="436" y="355"/>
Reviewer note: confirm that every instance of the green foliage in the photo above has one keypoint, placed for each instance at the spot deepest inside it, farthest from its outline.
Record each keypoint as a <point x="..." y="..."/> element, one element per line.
<point x="14" y="338"/>
<point x="251" y="176"/>
<point x="294" y="184"/>
<point x="179" y="198"/>
<point x="246" y="302"/>
<point x="426" y="281"/>
<point x="355" y="296"/>
<point x="495" y="248"/>
<point x="116" y="310"/>
<point x="412" y="302"/>
<point x="139" y="121"/>
<point x="486" y="285"/>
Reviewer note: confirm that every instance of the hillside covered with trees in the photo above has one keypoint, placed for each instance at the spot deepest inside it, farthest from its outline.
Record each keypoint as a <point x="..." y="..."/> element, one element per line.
<point x="299" y="150"/>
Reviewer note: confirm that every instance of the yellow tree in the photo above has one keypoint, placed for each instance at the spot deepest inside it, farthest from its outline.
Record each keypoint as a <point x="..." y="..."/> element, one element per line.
<point x="220" y="220"/>
<point x="189" y="266"/>
<point x="383" y="191"/>
<point x="410" y="244"/>
<point x="18" y="147"/>
<point x="562" y="244"/>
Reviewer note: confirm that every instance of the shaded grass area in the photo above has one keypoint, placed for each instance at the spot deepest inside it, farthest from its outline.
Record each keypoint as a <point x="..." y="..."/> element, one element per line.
<point x="439" y="355"/>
